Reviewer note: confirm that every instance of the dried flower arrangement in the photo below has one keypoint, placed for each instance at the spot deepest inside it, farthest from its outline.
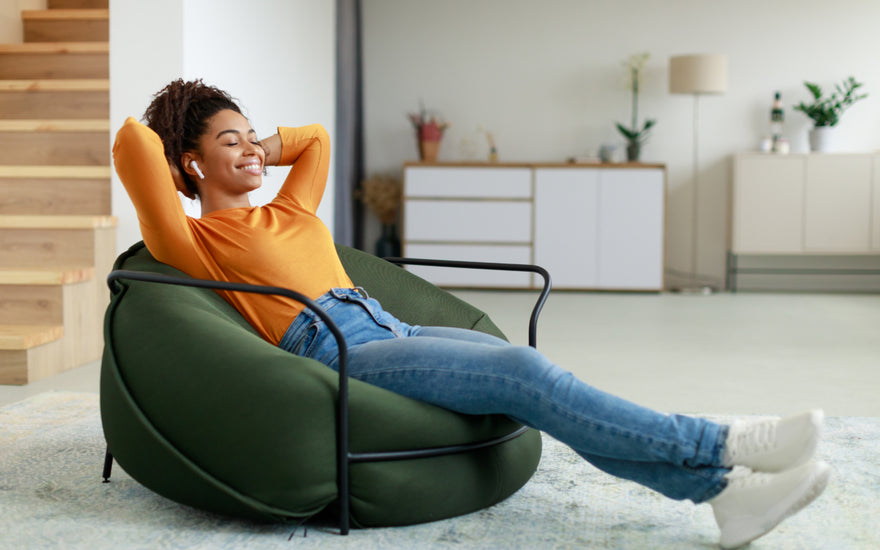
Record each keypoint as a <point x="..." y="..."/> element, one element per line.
<point x="382" y="194"/>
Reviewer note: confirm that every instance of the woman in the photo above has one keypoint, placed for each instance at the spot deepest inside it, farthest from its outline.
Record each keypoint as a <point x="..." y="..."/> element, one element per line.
<point x="197" y="142"/>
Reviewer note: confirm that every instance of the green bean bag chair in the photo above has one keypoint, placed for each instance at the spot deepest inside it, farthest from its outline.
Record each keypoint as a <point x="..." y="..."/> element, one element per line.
<point x="198" y="408"/>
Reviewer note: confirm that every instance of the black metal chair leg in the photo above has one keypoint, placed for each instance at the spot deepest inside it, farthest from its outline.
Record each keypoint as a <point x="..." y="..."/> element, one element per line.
<point x="108" y="465"/>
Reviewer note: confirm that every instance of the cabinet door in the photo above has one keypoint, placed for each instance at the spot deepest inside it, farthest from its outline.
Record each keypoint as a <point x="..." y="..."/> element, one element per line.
<point x="566" y="225"/>
<point x="631" y="229"/>
<point x="768" y="204"/>
<point x="837" y="210"/>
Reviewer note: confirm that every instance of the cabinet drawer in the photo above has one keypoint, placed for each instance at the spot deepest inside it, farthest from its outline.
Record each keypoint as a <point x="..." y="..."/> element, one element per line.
<point x="473" y="221"/>
<point x="468" y="182"/>
<point x="475" y="278"/>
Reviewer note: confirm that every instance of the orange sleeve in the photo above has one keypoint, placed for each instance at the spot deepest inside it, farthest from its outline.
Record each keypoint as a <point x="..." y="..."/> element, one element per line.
<point x="139" y="158"/>
<point x="307" y="148"/>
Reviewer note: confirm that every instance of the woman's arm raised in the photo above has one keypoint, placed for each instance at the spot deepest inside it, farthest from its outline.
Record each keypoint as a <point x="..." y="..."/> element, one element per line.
<point x="307" y="148"/>
<point x="140" y="161"/>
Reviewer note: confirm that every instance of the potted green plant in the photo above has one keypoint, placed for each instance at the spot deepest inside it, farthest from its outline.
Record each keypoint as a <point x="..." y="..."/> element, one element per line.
<point x="635" y="136"/>
<point x="826" y="112"/>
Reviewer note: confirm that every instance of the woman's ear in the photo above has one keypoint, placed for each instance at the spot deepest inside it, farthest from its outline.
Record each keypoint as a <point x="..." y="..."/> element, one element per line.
<point x="179" y="181"/>
<point x="191" y="166"/>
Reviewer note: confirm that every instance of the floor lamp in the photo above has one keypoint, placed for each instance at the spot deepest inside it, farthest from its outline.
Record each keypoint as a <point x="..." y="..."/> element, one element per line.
<point x="697" y="75"/>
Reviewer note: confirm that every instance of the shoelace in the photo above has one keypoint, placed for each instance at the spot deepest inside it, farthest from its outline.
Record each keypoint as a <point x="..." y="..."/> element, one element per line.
<point x="752" y="438"/>
<point x="743" y="477"/>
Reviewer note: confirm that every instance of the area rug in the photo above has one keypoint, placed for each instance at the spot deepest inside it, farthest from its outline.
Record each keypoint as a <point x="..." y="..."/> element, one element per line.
<point x="51" y="496"/>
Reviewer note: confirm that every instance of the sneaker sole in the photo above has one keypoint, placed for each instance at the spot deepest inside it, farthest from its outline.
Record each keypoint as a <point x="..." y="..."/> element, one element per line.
<point x="807" y="493"/>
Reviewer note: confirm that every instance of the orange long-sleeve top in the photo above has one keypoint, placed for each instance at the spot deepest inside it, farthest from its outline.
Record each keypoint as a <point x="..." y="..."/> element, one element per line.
<point x="283" y="243"/>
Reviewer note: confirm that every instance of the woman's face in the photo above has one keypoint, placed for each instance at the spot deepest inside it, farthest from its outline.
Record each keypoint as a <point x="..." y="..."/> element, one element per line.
<point x="231" y="157"/>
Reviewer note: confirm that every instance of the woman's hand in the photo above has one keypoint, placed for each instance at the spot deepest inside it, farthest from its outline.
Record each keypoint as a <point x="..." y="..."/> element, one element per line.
<point x="178" y="181"/>
<point x="272" y="148"/>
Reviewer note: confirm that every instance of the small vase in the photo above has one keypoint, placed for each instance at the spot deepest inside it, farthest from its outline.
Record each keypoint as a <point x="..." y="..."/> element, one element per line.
<point x="388" y="243"/>
<point x="821" y="139"/>
<point x="428" y="150"/>
<point x="633" y="150"/>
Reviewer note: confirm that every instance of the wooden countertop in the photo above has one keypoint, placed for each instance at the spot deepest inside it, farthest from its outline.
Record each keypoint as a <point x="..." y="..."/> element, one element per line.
<point x="479" y="164"/>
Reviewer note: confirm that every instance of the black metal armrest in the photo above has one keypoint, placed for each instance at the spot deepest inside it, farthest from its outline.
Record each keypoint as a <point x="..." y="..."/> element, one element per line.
<point x="494" y="266"/>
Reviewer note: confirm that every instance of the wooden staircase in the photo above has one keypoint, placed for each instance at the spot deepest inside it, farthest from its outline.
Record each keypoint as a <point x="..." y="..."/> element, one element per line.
<point x="57" y="235"/>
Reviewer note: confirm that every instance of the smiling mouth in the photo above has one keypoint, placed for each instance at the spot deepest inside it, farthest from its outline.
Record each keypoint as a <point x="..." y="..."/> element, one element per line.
<point x="253" y="168"/>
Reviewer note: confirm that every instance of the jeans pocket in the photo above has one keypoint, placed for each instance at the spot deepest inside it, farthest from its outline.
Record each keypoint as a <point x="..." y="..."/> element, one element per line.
<point x="306" y="343"/>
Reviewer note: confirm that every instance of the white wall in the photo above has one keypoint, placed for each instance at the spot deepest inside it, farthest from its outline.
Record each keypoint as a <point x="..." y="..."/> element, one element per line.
<point x="276" y="58"/>
<point x="546" y="78"/>
<point x="11" y="31"/>
<point x="146" y="52"/>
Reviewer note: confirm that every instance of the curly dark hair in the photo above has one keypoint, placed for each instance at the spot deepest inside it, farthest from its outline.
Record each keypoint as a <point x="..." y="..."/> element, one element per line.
<point x="179" y="114"/>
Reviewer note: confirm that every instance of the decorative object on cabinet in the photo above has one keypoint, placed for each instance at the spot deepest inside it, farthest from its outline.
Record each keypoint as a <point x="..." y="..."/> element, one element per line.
<point x="593" y="226"/>
<point x="634" y="136"/>
<point x="777" y="119"/>
<point x="493" y="151"/>
<point x="826" y="112"/>
<point x="697" y="75"/>
<point x="382" y="195"/>
<point x="429" y="132"/>
<point x="606" y="152"/>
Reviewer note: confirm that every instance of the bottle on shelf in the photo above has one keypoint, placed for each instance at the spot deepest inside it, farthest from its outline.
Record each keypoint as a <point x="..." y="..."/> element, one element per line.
<point x="777" y="117"/>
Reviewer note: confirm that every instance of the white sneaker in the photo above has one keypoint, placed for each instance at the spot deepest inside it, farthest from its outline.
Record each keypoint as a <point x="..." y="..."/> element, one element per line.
<point x="753" y="503"/>
<point x="773" y="445"/>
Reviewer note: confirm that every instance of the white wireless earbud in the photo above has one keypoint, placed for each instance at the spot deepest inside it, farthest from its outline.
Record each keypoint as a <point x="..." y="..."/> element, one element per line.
<point x="195" y="166"/>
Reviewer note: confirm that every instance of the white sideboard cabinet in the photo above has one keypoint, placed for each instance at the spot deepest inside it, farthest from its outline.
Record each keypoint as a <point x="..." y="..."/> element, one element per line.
<point x="797" y="204"/>
<point x="812" y="214"/>
<point x="590" y="226"/>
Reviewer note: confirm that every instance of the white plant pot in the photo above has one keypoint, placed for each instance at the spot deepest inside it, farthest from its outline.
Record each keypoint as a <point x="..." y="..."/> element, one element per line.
<point x="821" y="139"/>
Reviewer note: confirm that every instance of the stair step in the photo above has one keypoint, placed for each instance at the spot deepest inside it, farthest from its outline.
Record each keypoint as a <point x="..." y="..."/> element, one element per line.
<point x="64" y="60"/>
<point x="78" y="4"/>
<point x="61" y="172"/>
<point x="55" y="190"/>
<point x="66" y="25"/>
<point x="45" y="275"/>
<point x="55" y="99"/>
<point x="72" y="292"/>
<point x="49" y="296"/>
<point x="56" y="85"/>
<point x="56" y="222"/>
<point x="57" y="125"/>
<point x="58" y="240"/>
<point x="70" y="142"/>
<point x="64" y="14"/>
<point x="19" y="337"/>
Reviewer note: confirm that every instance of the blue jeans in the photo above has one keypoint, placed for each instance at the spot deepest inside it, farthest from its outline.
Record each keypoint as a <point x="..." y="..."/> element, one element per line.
<point x="475" y="373"/>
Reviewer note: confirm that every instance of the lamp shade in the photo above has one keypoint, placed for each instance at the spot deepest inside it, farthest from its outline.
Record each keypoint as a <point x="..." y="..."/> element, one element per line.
<point x="698" y="74"/>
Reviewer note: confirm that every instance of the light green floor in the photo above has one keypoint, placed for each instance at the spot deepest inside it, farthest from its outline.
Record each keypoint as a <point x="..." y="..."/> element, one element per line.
<point x="747" y="353"/>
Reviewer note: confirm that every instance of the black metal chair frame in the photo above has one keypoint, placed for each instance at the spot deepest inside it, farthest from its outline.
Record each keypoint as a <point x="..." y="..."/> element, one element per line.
<point x="344" y="457"/>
